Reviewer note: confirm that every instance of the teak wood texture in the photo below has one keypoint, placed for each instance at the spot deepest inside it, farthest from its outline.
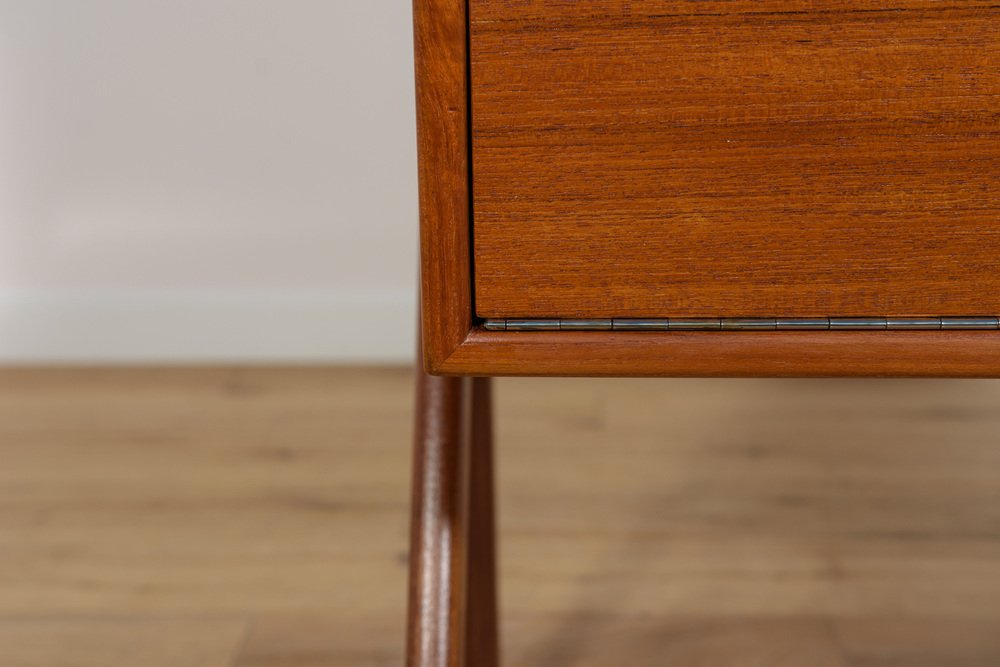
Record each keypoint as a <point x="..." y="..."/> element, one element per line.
<point x="733" y="159"/>
<point x="442" y="144"/>
<point x="738" y="158"/>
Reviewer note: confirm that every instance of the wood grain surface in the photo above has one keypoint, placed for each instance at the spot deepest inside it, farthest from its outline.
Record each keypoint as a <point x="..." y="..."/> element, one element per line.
<point x="735" y="158"/>
<point x="258" y="518"/>
<point x="729" y="354"/>
<point x="440" y="30"/>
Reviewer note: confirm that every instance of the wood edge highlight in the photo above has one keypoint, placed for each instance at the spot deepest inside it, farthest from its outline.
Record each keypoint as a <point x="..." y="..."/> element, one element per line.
<point x="943" y="354"/>
<point x="441" y="69"/>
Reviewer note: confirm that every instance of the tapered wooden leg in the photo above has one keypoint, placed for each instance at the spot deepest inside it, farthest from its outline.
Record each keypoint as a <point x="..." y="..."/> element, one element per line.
<point x="482" y="646"/>
<point x="452" y="616"/>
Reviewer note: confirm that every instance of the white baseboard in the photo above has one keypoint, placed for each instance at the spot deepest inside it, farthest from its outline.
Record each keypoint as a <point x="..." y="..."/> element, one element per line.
<point x="207" y="326"/>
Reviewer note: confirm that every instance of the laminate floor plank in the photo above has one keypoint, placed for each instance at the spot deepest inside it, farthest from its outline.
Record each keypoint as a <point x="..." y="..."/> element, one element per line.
<point x="107" y="641"/>
<point x="239" y="517"/>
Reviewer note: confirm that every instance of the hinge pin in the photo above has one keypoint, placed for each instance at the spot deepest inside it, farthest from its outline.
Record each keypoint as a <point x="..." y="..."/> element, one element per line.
<point x="744" y="324"/>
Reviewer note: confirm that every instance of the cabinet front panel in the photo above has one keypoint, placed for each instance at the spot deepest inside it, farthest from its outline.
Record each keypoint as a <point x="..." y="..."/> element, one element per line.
<point x="735" y="158"/>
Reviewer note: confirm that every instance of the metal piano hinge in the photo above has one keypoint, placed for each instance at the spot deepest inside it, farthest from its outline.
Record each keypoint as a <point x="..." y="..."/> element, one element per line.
<point x="747" y="324"/>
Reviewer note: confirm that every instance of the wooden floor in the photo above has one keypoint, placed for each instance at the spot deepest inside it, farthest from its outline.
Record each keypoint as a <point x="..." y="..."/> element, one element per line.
<point x="257" y="518"/>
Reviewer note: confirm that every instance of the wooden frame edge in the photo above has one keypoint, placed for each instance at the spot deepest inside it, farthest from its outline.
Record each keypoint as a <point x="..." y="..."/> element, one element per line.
<point x="956" y="354"/>
<point x="442" y="94"/>
<point x="454" y="345"/>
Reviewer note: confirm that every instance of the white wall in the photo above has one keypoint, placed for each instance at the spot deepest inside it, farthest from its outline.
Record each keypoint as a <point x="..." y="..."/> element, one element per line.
<point x="201" y="180"/>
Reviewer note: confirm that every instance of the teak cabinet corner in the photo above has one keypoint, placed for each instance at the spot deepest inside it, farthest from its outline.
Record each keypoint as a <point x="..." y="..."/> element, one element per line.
<point x="774" y="188"/>
<point x="775" y="171"/>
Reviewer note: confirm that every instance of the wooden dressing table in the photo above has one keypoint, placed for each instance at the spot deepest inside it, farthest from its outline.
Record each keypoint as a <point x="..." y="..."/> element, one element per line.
<point x="713" y="188"/>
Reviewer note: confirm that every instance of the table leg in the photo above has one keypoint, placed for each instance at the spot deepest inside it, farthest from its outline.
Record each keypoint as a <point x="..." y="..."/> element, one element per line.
<point x="452" y="617"/>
